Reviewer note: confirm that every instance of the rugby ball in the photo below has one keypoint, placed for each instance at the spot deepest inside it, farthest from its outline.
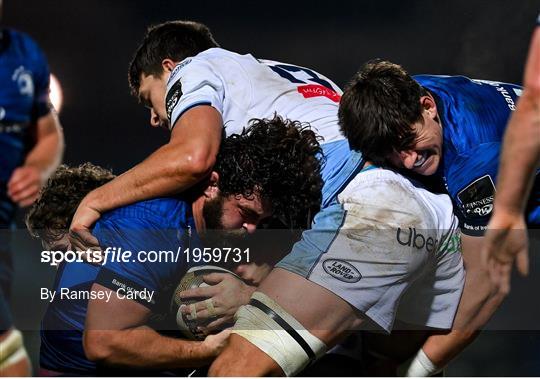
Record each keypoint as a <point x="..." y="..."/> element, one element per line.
<point x="192" y="279"/>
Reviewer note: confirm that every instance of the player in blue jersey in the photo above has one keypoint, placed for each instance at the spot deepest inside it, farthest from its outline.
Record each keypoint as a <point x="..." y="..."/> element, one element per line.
<point x="31" y="146"/>
<point x="449" y="128"/>
<point x="81" y="336"/>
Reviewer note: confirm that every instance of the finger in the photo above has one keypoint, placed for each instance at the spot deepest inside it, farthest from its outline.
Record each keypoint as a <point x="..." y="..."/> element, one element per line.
<point x="215" y="277"/>
<point x="29" y="200"/>
<point x="84" y="218"/>
<point x="205" y="292"/>
<point x="494" y="273"/>
<point x="30" y="191"/>
<point x="187" y="309"/>
<point x="202" y="314"/>
<point x="16" y="176"/>
<point x="21" y="185"/>
<point x="82" y="240"/>
<point x="505" y="277"/>
<point x="214" y="325"/>
<point x="522" y="262"/>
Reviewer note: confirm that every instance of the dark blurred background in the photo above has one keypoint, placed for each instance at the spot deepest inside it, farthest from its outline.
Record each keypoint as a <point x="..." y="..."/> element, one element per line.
<point x="89" y="45"/>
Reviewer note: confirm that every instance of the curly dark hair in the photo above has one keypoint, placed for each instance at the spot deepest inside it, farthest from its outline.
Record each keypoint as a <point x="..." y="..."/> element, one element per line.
<point x="378" y="108"/>
<point x="278" y="158"/>
<point x="50" y="216"/>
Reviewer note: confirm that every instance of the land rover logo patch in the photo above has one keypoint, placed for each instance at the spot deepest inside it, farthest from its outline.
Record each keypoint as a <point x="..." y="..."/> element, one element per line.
<point x="342" y="270"/>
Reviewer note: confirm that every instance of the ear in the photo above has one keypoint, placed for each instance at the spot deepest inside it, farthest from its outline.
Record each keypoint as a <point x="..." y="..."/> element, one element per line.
<point x="429" y="106"/>
<point x="212" y="189"/>
<point x="405" y="158"/>
<point x="168" y="64"/>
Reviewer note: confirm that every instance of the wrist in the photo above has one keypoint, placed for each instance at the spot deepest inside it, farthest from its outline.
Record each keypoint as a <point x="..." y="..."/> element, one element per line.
<point x="204" y="351"/>
<point x="419" y="366"/>
<point x="91" y="201"/>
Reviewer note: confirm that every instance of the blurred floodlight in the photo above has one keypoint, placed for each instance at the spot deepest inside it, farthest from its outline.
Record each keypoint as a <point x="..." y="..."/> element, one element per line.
<point x="56" y="96"/>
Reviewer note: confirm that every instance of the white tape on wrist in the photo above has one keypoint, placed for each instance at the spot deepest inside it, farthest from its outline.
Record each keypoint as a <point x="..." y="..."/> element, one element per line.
<point x="269" y="327"/>
<point x="12" y="349"/>
<point x="419" y="366"/>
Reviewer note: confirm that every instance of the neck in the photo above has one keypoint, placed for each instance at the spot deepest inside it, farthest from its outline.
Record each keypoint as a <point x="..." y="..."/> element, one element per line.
<point x="197" y="209"/>
<point x="367" y="164"/>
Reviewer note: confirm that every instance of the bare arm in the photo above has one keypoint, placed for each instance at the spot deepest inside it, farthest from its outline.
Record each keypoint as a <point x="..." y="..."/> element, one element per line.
<point x="40" y="163"/>
<point x="173" y="168"/>
<point x="311" y="309"/>
<point x="115" y="335"/>
<point x="506" y="238"/>
<point x="521" y="149"/>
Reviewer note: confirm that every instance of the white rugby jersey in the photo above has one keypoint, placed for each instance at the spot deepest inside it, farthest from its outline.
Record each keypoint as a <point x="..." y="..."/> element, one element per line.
<point x="242" y="87"/>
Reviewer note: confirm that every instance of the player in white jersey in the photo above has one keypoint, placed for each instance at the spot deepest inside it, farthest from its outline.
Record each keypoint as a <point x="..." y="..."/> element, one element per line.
<point x="393" y="255"/>
<point x="201" y="92"/>
<point x="241" y="87"/>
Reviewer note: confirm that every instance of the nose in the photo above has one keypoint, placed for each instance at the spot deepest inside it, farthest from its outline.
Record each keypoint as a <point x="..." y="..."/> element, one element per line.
<point x="154" y="119"/>
<point x="250" y="227"/>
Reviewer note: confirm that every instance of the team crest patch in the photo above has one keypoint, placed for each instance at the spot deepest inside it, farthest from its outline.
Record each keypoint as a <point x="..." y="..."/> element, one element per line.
<point x="172" y="98"/>
<point x="342" y="270"/>
<point x="477" y="198"/>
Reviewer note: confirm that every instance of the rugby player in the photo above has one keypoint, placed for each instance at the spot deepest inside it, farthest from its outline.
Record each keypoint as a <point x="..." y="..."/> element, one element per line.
<point x="506" y="238"/>
<point x="200" y="92"/>
<point x="450" y="128"/>
<point x="260" y="172"/>
<point x="31" y="146"/>
<point x="388" y="258"/>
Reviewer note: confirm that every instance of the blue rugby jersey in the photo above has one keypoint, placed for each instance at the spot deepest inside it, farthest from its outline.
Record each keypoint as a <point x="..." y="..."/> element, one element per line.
<point x="24" y="97"/>
<point x="474" y="115"/>
<point x="159" y="224"/>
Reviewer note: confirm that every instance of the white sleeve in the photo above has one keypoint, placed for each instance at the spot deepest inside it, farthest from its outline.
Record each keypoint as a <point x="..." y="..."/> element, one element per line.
<point x="193" y="82"/>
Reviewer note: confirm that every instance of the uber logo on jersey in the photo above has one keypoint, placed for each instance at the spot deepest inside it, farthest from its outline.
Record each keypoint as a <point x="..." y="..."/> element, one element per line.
<point x="342" y="270"/>
<point x="416" y="240"/>
<point x="477" y="198"/>
<point x="173" y="95"/>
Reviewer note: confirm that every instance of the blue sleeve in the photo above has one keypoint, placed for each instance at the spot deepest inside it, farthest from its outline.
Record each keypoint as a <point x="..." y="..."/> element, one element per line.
<point x="126" y="237"/>
<point x="471" y="180"/>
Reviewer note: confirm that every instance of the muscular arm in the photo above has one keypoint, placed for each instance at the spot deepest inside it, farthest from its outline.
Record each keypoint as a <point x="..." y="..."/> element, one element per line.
<point x="175" y="167"/>
<point x="324" y="314"/>
<point x="115" y="335"/>
<point x="506" y="239"/>
<point x="521" y="149"/>
<point x="40" y="163"/>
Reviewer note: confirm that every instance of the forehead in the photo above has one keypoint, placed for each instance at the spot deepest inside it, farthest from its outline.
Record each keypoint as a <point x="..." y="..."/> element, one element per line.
<point x="254" y="203"/>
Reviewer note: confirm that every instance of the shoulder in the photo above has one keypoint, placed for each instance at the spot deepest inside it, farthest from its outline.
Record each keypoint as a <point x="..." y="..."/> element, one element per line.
<point x="23" y="43"/>
<point x="162" y="211"/>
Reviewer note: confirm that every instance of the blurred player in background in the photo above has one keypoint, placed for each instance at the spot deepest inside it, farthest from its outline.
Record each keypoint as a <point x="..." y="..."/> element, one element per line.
<point x="31" y="146"/>
<point x="506" y="238"/>
<point x="451" y="127"/>
<point x="97" y="336"/>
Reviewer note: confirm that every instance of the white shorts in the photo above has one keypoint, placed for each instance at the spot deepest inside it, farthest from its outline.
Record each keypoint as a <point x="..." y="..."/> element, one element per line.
<point x="388" y="247"/>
